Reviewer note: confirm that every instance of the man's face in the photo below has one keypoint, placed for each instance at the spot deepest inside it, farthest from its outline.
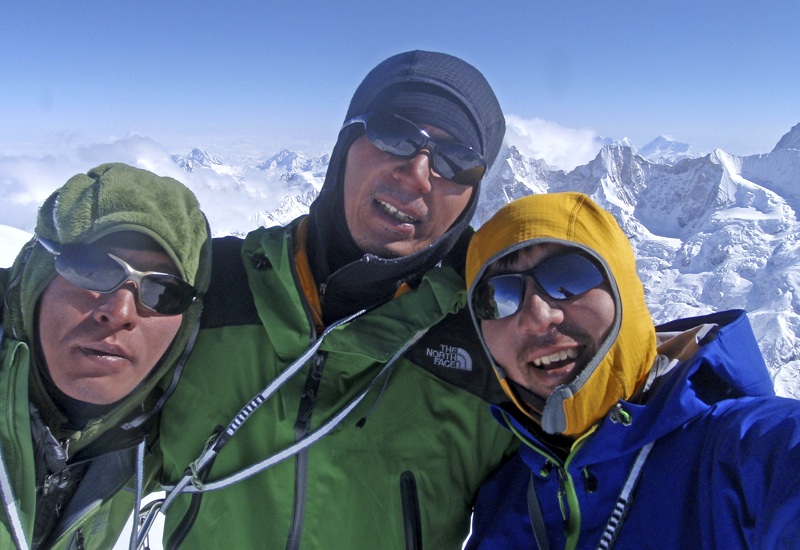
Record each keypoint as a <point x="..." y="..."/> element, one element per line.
<point x="548" y="342"/>
<point x="98" y="347"/>
<point x="396" y="206"/>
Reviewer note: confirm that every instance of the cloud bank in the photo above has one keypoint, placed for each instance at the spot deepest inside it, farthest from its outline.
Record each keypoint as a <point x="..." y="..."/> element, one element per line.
<point x="562" y="148"/>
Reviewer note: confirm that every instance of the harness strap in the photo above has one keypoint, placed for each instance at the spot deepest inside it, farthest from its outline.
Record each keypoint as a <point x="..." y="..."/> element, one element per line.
<point x="624" y="499"/>
<point x="245" y="413"/>
<point x="307" y="441"/>
<point x="14" y="520"/>
<point x="12" y="511"/>
<point x="190" y="483"/>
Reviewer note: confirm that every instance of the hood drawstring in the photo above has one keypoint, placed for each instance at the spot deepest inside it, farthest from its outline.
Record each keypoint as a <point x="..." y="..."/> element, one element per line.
<point x="360" y="423"/>
<point x="173" y="384"/>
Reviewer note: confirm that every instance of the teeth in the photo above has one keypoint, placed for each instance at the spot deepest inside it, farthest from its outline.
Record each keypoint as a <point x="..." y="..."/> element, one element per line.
<point x="394" y="212"/>
<point x="569" y="353"/>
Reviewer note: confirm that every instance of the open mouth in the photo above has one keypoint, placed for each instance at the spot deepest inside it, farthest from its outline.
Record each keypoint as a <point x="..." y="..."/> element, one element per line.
<point x="395" y="213"/>
<point x="557" y="359"/>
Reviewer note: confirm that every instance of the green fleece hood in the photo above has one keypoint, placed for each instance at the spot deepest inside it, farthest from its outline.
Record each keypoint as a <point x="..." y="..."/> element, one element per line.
<point x="108" y="199"/>
<point x="625" y="358"/>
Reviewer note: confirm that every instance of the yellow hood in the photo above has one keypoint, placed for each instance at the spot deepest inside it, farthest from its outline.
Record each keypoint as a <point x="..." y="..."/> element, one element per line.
<point x="624" y="359"/>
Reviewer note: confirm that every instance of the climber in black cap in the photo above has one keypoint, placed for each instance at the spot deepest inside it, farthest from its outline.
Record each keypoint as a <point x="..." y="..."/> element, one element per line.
<point x="327" y="319"/>
<point x="450" y="100"/>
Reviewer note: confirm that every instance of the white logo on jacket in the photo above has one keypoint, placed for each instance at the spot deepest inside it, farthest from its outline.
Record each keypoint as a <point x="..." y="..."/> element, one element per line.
<point x="451" y="357"/>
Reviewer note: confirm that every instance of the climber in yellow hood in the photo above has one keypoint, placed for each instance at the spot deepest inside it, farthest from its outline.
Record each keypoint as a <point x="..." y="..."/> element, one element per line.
<point x="622" y="359"/>
<point x="632" y="435"/>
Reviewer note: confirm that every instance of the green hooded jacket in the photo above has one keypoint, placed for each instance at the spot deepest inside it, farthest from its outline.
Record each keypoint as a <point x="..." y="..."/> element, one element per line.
<point x="399" y="471"/>
<point x="108" y="199"/>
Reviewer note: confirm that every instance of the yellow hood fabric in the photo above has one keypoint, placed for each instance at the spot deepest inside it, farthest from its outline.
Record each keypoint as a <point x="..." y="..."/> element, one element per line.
<point x="624" y="359"/>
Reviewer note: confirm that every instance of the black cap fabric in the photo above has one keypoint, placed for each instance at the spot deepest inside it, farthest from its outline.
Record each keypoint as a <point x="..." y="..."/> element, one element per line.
<point x="427" y="88"/>
<point x="436" y="89"/>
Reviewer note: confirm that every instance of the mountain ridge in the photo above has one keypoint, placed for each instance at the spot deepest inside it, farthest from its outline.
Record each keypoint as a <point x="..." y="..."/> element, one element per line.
<point x="710" y="232"/>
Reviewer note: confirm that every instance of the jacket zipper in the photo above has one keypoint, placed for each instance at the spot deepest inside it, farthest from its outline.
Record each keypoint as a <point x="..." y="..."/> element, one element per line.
<point x="308" y="398"/>
<point x="567" y="496"/>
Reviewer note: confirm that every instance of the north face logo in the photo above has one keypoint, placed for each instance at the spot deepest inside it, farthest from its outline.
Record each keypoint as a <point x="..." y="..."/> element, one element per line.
<point x="451" y="357"/>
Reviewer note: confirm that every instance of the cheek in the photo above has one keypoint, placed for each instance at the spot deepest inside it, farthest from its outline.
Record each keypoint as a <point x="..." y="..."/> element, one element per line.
<point x="160" y="332"/>
<point x="354" y="177"/>
<point x="454" y="199"/>
<point x="601" y="310"/>
<point x="60" y="306"/>
<point x="496" y="334"/>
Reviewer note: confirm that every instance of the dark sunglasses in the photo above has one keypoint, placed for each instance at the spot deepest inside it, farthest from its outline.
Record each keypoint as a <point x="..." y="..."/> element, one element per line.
<point x="401" y="137"/>
<point x="559" y="277"/>
<point x="92" y="269"/>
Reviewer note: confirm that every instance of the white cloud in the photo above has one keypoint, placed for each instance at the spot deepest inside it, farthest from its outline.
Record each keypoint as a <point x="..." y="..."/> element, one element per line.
<point x="26" y="180"/>
<point x="561" y="147"/>
<point x="231" y="196"/>
<point x="11" y="242"/>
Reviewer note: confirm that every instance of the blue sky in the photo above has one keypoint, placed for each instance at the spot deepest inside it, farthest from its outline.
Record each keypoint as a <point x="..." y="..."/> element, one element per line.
<point x="216" y="74"/>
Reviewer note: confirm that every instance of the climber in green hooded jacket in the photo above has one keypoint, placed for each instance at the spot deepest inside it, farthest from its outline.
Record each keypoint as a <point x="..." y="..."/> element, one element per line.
<point x="98" y="308"/>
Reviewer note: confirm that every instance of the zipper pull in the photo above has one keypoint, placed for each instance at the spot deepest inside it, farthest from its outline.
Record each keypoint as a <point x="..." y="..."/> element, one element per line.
<point x="58" y="480"/>
<point x="308" y="396"/>
<point x="65" y="447"/>
<point x="618" y="415"/>
<point x="562" y="494"/>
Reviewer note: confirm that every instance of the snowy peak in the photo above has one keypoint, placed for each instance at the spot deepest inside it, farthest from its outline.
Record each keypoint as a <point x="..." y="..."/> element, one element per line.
<point x="292" y="162"/>
<point x="664" y="150"/>
<point x="197" y="158"/>
<point x="791" y="140"/>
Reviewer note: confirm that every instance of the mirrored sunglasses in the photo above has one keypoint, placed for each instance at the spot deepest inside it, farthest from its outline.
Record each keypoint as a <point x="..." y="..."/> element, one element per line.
<point x="559" y="277"/>
<point x="92" y="269"/>
<point x="400" y="137"/>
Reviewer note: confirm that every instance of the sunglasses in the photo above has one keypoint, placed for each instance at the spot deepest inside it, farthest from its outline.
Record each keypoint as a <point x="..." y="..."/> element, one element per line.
<point x="92" y="269"/>
<point x="559" y="277"/>
<point x="402" y="138"/>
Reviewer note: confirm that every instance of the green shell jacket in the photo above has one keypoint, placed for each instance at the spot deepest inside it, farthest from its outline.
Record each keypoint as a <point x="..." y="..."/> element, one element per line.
<point x="399" y="471"/>
<point x="63" y="487"/>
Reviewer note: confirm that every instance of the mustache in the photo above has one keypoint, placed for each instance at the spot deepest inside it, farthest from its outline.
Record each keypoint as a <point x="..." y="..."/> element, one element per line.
<point x="411" y="201"/>
<point x="556" y="336"/>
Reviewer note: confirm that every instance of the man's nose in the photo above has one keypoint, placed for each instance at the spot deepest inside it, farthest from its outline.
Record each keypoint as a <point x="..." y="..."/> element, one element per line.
<point x="415" y="173"/>
<point x="537" y="314"/>
<point x="118" y="308"/>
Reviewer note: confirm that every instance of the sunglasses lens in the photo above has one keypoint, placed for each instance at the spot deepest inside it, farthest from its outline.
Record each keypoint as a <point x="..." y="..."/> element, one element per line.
<point x="165" y="294"/>
<point x="93" y="269"/>
<point x="499" y="297"/>
<point x="560" y="277"/>
<point x="395" y="135"/>
<point x="89" y="269"/>
<point x="400" y="137"/>
<point x="458" y="163"/>
<point x="567" y="275"/>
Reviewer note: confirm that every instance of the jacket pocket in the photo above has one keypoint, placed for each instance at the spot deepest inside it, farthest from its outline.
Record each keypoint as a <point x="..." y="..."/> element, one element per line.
<point x="411" y="516"/>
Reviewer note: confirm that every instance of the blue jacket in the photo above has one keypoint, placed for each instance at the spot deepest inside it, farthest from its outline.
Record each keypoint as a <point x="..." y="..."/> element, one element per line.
<point x="723" y="470"/>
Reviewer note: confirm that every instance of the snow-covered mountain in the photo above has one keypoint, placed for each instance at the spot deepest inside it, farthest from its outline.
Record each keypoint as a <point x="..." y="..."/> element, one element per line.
<point x="664" y="150"/>
<point x="710" y="232"/>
